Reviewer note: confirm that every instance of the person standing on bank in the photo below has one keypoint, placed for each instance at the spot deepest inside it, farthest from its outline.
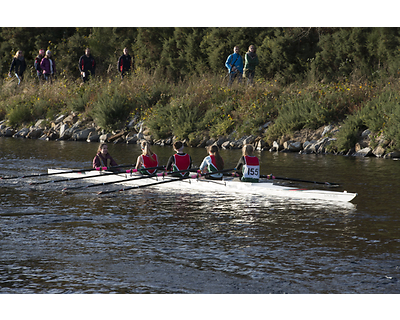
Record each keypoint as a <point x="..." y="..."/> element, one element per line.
<point x="179" y="161"/>
<point x="48" y="66"/>
<point x="19" y="65"/>
<point x="234" y="63"/>
<point x="251" y="61"/>
<point x="212" y="163"/>
<point x="148" y="159"/>
<point x="249" y="165"/>
<point x="124" y="63"/>
<point x="36" y="64"/>
<point x="87" y="65"/>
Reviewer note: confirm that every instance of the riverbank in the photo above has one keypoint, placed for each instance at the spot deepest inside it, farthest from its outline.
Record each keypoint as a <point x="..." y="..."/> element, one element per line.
<point x="305" y="141"/>
<point x="346" y="118"/>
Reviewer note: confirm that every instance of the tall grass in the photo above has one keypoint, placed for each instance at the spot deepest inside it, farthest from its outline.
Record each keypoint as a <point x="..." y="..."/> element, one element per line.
<point x="381" y="115"/>
<point x="202" y="106"/>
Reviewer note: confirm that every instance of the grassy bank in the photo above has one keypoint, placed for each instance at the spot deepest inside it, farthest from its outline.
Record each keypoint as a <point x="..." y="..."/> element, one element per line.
<point x="204" y="106"/>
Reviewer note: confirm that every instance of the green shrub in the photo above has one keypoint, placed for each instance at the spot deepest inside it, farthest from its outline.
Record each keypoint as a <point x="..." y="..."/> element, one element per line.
<point x="382" y="114"/>
<point x="80" y="102"/>
<point x="184" y="120"/>
<point x="348" y="134"/>
<point x="176" y="118"/>
<point x="298" y="113"/>
<point x="19" y="113"/>
<point x="111" y="111"/>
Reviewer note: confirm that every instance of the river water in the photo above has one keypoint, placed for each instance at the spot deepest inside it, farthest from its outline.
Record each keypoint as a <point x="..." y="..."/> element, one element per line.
<point x="146" y="241"/>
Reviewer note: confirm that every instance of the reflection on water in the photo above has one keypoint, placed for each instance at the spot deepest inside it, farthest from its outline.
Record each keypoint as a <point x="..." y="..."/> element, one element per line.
<point x="145" y="241"/>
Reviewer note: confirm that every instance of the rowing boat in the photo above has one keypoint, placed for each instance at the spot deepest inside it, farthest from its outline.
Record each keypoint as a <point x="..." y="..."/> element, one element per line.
<point x="197" y="184"/>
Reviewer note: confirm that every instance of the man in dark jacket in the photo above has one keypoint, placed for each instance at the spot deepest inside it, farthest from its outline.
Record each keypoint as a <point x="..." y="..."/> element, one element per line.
<point x="124" y="63"/>
<point x="87" y="65"/>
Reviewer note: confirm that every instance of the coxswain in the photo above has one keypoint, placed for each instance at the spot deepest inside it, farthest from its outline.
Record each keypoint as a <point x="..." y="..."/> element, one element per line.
<point x="103" y="158"/>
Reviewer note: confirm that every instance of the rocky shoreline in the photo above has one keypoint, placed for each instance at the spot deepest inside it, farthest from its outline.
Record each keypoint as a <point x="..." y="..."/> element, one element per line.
<point x="306" y="141"/>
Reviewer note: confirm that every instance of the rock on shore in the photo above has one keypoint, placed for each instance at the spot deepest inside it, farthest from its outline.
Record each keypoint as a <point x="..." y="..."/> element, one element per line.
<point x="304" y="142"/>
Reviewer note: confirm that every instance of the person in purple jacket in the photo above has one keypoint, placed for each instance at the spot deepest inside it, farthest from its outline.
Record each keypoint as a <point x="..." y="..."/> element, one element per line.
<point x="103" y="158"/>
<point x="48" y="66"/>
<point x="38" y="60"/>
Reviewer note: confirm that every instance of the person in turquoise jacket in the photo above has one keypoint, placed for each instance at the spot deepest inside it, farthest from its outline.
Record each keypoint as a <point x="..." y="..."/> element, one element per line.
<point x="234" y="63"/>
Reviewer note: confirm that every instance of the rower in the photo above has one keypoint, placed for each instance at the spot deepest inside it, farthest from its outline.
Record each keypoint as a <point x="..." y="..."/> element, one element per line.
<point x="249" y="164"/>
<point x="212" y="163"/>
<point x="179" y="161"/>
<point x="148" y="159"/>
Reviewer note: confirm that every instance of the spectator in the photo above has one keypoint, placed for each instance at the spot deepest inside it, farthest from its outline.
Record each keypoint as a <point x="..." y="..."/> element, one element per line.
<point x="19" y="64"/>
<point x="48" y="66"/>
<point x="87" y="65"/>
<point x="124" y="63"/>
<point x="251" y="61"/>
<point x="234" y="63"/>
<point x="38" y="69"/>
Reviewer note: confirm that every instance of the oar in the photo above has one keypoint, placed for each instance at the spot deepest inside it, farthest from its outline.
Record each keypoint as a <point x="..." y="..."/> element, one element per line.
<point x="70" y="171"/>
<point x="220" y="171"/>
<point x="145" y="185"/>
<point x="165" y="181"/>
<point x="270" y="176"/>
<point x="130" y="179"/>
<point x="86" y="177"/>
<point x="111" y="182"/>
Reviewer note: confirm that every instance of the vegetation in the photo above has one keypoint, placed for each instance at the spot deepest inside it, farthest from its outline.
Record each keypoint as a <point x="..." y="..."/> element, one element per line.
<point x="307" y="77"/>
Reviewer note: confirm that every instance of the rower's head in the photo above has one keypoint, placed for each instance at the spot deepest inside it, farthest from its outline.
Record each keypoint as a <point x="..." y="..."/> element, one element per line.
<point x="103" y="148"/>
<point x="213" y="149"/>
<point x="178" y="146"/>
<point x="145" y="146"/>
<point x="248" y="150"/>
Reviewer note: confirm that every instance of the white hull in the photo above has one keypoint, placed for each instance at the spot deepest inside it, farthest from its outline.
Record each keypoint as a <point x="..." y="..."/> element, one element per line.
<point x="228" y="185"/>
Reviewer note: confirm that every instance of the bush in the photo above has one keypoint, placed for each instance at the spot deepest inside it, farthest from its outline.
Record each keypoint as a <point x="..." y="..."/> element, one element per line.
<point x="298" y="113"/>
<point x="177" y="118"/>
<point x="111" y="110"/>
<point x="380" y="115"/>
<point x="19" y="113"/>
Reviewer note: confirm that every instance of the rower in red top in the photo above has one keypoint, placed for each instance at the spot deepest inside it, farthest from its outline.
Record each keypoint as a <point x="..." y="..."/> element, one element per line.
<point x="148" y="159"/>
<point x="179" y="161"/>
<point x="212" y="163"/>
<point x="103" y="158"/>
<point x="249" y="164"/>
